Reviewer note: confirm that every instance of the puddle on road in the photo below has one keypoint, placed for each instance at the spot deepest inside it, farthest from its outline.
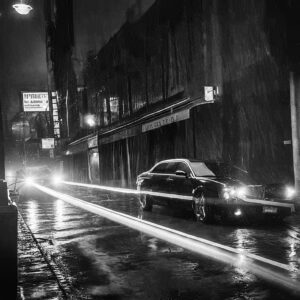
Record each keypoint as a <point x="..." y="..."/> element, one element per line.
<point x="102" y="259"/>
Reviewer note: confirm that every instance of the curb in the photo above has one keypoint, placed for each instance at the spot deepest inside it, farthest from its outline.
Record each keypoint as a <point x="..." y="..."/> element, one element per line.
<point x="34" y="273"/>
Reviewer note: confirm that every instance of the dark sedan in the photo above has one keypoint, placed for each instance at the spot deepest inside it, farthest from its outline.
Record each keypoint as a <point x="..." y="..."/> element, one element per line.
<point x="213" y="189"/>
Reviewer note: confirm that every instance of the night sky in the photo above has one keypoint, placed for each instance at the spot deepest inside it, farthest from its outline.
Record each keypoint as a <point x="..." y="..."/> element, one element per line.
<point x="22" y="54"/>
<point x="22" y="42"/>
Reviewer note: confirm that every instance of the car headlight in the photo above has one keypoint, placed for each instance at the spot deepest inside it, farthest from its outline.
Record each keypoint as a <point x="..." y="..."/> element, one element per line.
<point x="57" y="179"/>
<point x="229" y="192"/>
<point x="29" y="180"/>
<point x="290" y="192"/>
<point x="241" y="191"/>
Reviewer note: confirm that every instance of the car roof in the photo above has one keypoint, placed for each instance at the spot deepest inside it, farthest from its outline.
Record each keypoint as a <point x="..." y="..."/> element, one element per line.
<point x="172" y="160"/>
<point x="188" y="160"/>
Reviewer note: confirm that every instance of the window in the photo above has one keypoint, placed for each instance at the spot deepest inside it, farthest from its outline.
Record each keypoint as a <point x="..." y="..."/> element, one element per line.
<point x="166" y="168"/>
<point x="171" y="168"/>
<point x="161" y="168"/>
<point x="181" y="166"/>
<point x="203" y="169"/>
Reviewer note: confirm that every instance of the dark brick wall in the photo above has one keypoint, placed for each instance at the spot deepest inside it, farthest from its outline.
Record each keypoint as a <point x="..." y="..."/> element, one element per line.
<point x="180" y="46"/>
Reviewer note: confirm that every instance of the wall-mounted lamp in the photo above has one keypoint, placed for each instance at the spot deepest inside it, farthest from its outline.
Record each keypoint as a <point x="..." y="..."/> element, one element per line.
<point x="90" y="120"/>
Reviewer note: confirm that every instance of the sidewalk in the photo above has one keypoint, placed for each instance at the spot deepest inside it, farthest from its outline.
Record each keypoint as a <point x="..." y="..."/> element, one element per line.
<point x="36" y="280"/>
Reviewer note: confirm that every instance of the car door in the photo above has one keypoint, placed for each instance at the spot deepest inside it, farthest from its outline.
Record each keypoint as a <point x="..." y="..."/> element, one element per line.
<point x="181" y="185"/>
<point x="159" y="183"/>
<point x="169" y="183"/>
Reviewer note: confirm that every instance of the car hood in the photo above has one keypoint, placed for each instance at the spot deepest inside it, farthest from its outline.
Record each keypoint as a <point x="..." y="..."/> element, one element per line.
<point x="223" y="180"/>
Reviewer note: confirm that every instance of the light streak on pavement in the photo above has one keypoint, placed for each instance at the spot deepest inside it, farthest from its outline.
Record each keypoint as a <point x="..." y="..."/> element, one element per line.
<point x="227" y="248"/>
<point x="127" y="191"/>
<point x="171" y="196"/>
<point x="265" y="268"/>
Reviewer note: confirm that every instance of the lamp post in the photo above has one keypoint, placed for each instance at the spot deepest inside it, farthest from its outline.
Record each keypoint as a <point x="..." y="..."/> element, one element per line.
<point x="8" y="214"/>
<point x="8" y="231"/>
<point x="2" y="160"/>
<point x="22" y="8"/>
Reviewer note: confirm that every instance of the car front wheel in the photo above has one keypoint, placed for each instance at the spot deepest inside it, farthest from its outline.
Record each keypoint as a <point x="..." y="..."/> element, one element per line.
<point x="202" y="211"/>
<point x="145" y="202"/>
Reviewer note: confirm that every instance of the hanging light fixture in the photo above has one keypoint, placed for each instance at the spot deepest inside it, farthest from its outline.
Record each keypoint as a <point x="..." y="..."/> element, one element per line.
<point x="22" y="8"/>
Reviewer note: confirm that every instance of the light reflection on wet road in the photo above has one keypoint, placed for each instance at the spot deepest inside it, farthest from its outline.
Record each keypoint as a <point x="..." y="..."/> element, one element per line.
<point x="104" y="260"/>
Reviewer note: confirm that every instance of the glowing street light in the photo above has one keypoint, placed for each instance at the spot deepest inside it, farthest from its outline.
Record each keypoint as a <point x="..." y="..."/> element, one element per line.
<point x="90" y="120"/>
<point x="22" y="8"/>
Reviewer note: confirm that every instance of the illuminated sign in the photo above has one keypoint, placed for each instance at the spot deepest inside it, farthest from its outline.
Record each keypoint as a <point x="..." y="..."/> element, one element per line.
<point x="210" y="93"/>
<point x="183" y="115"/>
<point x="56" y="123"/>
<point x="35" y="101"/>
<point x="48" y="143"/>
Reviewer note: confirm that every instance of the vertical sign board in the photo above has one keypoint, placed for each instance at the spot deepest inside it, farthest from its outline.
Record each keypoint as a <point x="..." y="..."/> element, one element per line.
<point x="210" y="93"/>
<point x="56" y="123"/>
<point x="35" y="101"/>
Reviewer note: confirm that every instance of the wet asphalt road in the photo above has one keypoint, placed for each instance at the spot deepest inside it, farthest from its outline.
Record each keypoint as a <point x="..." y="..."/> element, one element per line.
<point x="99" y="259"/>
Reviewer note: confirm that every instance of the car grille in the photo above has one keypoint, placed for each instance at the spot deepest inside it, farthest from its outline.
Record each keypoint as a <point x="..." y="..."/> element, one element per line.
<point x="275" y="191"/>
<point x="256" y="191"/>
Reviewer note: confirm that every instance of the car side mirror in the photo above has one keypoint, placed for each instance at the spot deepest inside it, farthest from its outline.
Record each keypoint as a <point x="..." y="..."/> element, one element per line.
<point x="181" y="173"/>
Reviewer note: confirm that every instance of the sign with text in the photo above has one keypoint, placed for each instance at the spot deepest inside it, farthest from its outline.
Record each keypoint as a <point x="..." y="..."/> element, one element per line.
<point x="35" y="101"/>
<point x="182" y="115"/>
<point x="48" y="143"/>
<point x="210" y="93"/>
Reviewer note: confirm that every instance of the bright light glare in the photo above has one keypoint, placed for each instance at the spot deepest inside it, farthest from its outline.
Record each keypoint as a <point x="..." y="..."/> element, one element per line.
<point x="29" y="180"/>
<point x="241" y="191"/>
<point x="234" y="192"/>
<point x="290" y="192"/>
<point x="9" y="174"/>
<point x="57" y="179"/>
<point x="226" y="195"/>
<point x="90" y="120"/>
<point x="22" y="9"/>
<point x="229" y="192"/>
<point x="238" y="212"/>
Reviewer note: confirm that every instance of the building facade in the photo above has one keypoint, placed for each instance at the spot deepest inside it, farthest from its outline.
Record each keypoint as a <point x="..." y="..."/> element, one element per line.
<point x="146" y="87"/>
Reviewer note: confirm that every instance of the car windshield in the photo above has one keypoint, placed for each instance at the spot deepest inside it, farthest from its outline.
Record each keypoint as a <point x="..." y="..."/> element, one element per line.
<point x="202" y="169"/>
<point x="221" y="170"/>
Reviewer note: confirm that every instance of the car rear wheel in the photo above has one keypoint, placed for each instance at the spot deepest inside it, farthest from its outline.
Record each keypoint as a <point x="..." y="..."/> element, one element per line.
<point x="145" y="202"/>
<point x="202" y="211"/>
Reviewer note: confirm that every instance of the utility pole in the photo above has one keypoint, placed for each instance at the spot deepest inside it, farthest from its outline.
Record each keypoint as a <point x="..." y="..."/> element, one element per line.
<point x="49" y="33"/>
<point x="295" y="122"/>
<point x="2" y="160"/>
<point x="8" y="231"/>
<point x="293" y="51"/>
